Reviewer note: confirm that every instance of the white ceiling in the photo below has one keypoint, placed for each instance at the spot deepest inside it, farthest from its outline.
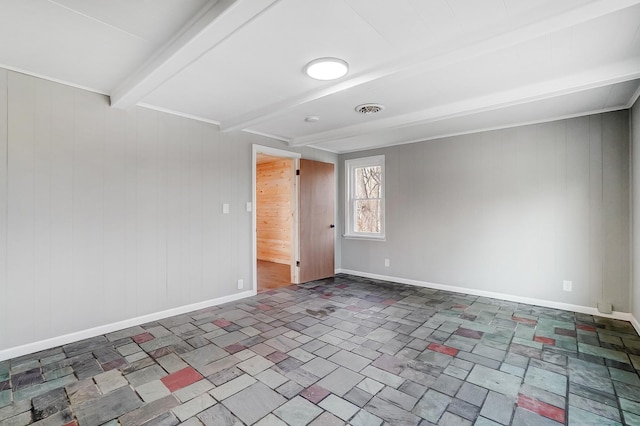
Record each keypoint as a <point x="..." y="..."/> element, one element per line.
<point x="441" y="67"/>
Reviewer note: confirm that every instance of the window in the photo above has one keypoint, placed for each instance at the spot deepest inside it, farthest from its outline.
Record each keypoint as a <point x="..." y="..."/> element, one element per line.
<point x="365" y="198"/>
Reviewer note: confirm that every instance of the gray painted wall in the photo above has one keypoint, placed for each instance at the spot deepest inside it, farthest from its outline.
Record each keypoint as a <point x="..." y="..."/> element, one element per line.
<point x="635" y="149"/>
<point x="107" y="215"/>
<point x="513" y="211"/>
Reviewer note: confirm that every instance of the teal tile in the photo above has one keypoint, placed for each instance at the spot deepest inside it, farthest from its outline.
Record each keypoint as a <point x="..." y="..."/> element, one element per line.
<point x="548" y="380"/>
<point x="36" y="390"/>
<point x="603" y="352"/>
<point x="631" y="343"/>
<point x="5" y="398"/>
<point x="595" y="407"/>
<point x="627" y="391"/>
<point x="524" y="332"/>
<point x="567" y="344"/>
<point x="624" y="376"/>
<point x="630" y="406"/>
<point x="591" y="375"/>
<point x="495" y="380"/>
<point x="631" y="418"/>
<point x="607" y="338"/>
<point x="579" y="417"/>
<point x="530" y="343"/>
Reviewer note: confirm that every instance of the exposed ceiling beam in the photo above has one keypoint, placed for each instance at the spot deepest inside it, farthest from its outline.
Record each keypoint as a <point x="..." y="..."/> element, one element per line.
<point x="497" y="38"/>
<point x="591" y="79"/>
<point x="212" y="25"/>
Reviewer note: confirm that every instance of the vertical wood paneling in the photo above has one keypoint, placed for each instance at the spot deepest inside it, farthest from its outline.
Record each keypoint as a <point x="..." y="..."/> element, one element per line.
<point x="115" y="148"/>
<point x="149" y="292"/>
<point x="539" y="218"/>
<point x="577" y="202"/>
<point x="210" y="212"/>
<point x="43" y="244"/>
<point x="596" y="246"/>
<point x="88" y="204"/>
<point x="616" y="208"/>
<point x="274" y="210"/>
<point x="62" y="170"/>
<point x="106" y="215"/>
<point x="635" y="187"/>
<point x="20" y="238"/>
<point x="174" y="208"/>
<point x="4" y="301"/>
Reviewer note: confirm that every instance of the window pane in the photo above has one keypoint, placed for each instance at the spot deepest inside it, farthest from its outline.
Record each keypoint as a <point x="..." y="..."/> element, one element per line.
<point x="367" y="182"/>
<point x="367" y="216"/>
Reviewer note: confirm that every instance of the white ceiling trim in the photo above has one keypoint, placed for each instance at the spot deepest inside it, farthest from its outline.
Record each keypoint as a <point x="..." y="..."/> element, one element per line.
<point x="634" y="98"/>
<point x="484" y="129"/>
<point x="497" y="38"/>
<point x="55" y="80"/>
<point x="212" y="25"/>
<point x="592" y="79"/>
<point x="179" y="114"/>
<point x="268" y="135"/>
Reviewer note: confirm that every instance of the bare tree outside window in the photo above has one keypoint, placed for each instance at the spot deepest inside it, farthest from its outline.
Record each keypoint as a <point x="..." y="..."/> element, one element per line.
<point x="367" y="199"/>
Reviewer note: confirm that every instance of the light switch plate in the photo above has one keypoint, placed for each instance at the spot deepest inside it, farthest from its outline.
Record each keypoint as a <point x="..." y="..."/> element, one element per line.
<point x="249" y="206"/>
<point x="225" y="208"/>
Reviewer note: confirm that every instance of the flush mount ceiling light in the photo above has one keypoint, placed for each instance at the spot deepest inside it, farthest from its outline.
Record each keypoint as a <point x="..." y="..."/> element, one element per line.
<point x="326" y="68"/>
<point x="369" y="108"/>
<point x="312" y="119"/>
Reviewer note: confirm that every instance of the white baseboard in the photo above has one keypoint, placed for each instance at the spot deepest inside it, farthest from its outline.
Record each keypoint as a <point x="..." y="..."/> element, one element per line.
<point x="625" y="316"/>
<point x="120" y="325"/>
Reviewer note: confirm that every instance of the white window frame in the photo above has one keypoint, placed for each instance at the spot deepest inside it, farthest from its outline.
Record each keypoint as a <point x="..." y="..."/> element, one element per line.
<point x="350" y="166"/>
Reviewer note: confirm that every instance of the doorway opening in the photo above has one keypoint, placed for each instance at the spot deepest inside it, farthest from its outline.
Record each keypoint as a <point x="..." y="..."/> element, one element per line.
<point x="275" y="218"/>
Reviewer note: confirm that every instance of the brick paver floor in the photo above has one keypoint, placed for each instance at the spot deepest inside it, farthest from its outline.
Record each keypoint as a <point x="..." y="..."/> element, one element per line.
<point x="347" y="350"/>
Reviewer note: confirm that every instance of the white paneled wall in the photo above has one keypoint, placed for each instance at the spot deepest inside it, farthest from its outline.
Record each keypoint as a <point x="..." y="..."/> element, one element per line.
<point x="108" y="215"/>
<point x="514" y="212"/>
<point x="635" y="185"/>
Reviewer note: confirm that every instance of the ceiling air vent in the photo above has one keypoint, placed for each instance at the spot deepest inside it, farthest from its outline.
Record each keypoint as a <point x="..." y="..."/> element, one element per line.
<point x="369" y="108"/>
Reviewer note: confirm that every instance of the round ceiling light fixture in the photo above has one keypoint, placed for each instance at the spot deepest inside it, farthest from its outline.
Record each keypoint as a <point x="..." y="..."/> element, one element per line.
<point x="312" y="119"/>
<point x="326" y="69"/>
<point x="368" y="109"/>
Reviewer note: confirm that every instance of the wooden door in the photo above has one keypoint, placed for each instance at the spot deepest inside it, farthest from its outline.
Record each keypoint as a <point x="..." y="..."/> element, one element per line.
<point x="316" y="220"/>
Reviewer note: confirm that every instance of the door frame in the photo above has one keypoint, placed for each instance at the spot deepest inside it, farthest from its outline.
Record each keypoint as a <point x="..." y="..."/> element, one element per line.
<point x="274" y="152"/>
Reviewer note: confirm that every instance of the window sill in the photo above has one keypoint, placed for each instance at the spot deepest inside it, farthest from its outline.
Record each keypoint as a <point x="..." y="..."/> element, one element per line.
<point x="363" y="237"/>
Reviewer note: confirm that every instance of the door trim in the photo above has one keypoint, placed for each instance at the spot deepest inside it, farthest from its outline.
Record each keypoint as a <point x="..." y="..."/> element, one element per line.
<point x="260" y="149"/>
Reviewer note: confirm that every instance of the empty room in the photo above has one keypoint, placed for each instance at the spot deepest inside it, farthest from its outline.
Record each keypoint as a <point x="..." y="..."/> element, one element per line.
<point x="337" y="212"/>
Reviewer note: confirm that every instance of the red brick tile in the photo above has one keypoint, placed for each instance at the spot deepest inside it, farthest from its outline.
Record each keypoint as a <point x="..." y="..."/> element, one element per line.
<point x="232" y="349"/>
<point x="315" y="393"/>
<point x="221" y="322"/>
<point x="586" y="328"/>
<point x="542" y="408"/>
<point x="527" y="321"/>
<point x="277" y="356"/>
<point x="112" y="365"/>
<point x="389" y="302"/>
<point x="565" y="332"/>
<point x="263" y="307"/>
<point x="465" y="332"/>
<point x="327" y="295"/>
<point x="73" y="423"/>
<point x="458" y="306"/>
<point x="342" y="286"/>
<point x="159" y="353"/>
<point x="546" y="340"/>
<point x="143" y="337"/>
<point x="181" y="379"/>
<point x="443" y="349"/>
